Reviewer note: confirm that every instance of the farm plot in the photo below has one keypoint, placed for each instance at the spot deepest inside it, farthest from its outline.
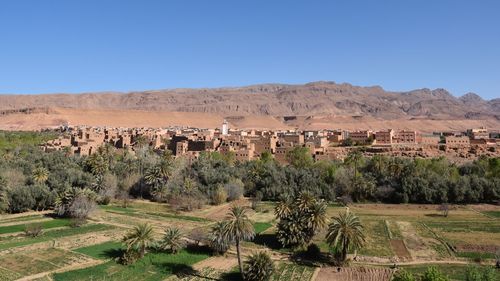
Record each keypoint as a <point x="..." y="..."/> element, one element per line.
<point x="470" y="239"/>
<point x="7" y="220"/>
<point x="37" y="261"/>
<point x="377" y="239"/>
<point x="158" y="221"/>
<point x="153" y="267"/>
<point x="420" y="242"/>
<point x="292" y="272"/>
<point x="52" y="235"/>
<point x="51" y="223"/>
<point x="453" y="271"/>
<point x="354" y="274"/>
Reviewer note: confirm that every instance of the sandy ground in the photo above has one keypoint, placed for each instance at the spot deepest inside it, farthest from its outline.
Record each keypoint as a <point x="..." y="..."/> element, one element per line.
<point x="130" y="118"/>
<point x="141" y="118"/>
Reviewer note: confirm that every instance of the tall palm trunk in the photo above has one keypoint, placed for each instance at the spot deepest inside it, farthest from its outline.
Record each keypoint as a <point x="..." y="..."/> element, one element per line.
<point x="143" y="251"/>
<point x="238" y="250"/>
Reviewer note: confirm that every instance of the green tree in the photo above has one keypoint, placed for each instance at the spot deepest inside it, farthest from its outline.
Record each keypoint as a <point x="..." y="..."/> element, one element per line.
<point x="345" y="233"/>
<point x="300" y="157"/>
<point x="266" y="156"/>
<point x="40" y="175"/>
<point x="238" y="227"/>
<point x="172" y="240"/>
<point x="259" y="267"/>
<point x="433" y="274"/>
<point x="403" y="275"/>
<point x="300" y="219"/>
<point x="139" y="238"/>
<point x="353" y="159"/>
<point x="474" y="273"/>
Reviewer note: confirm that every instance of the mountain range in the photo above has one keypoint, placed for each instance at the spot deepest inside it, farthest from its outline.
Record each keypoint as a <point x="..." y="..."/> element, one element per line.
<point x="284" y="102"/>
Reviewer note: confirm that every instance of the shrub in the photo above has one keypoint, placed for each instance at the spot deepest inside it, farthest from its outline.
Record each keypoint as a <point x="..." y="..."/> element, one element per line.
<point x="33" y="230"/>
<point x="259" y="267"/>
<point x="129" y="257"/>
<point x="444" y="208"/>
<point x="20" y="200"/>
<point x="198" y="235"/>
<point x="475" y="273"/>
<point x="256" y="200"/>
<point x="77" y="222"/>
<point x="234" y="189"/>
<point x="433" y="274"/>
<point x="172" y="240"/>
<point x="219" y="196"/>
<point x="186" y="202"/>
<point x="403" y="275"/>
<point x="81" y="207"/>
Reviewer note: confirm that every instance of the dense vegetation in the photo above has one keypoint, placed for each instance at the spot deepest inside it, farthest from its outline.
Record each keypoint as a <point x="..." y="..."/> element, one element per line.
<point x="34" y="180"/>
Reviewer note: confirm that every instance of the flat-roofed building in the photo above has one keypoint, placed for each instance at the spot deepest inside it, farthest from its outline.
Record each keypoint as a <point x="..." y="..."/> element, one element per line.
<point x="384" y="137"/>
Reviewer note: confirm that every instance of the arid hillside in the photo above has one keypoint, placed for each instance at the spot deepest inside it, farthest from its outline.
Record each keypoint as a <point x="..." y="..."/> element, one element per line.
<point x="313" y="105"/>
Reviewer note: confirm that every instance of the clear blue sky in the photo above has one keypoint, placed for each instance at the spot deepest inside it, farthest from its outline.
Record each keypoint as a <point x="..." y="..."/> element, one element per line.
<point x="99" y="45"/>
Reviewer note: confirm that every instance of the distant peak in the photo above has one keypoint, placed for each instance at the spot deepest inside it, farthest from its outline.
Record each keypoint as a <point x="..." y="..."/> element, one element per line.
<point x="471" y="97"/>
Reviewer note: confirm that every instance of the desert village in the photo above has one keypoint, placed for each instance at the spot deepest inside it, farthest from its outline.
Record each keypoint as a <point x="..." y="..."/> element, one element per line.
<point x="250" y="144"/>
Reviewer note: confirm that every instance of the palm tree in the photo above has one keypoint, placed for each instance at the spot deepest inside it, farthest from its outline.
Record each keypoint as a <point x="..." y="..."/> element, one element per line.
<point x="284" y="208"/>
<point x="353" y="158"/>
<point x="317" y="219"/>
<point x="139" y="238"/>
<point x="40" y="175"/>
<point x="172" y="240"/>
<point x="259" y="267"/>
<point x="345" y="232"/>
<point x="217" y="240"/>
<point x="237" y="228"/>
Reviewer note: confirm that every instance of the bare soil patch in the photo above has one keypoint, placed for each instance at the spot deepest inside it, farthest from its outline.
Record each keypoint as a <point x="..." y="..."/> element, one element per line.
<point x="399" y="248"/>
<point x="218" y="263"/>
<point x="418" y="247"/>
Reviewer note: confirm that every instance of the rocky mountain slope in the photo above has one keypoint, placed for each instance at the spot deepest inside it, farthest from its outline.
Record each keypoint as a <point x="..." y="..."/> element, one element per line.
<point x="312" y="99"/>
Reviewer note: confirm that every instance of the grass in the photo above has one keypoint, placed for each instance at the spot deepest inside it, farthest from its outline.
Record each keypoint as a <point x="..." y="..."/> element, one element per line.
<point x="54" y="234"/>
<point x="153" y="267"/>
<point x="45" y="225"/>
<point x="453" y="271"/>
<point x="137" y="213"/>
<point x="118" y="209"/>
<point x="36" y="261"/>
<point x="377" y="239"/>
<point x="101" y="251"/>
<point x="475" y="255"/>
<point x="465" y="226"/>
<point x="261" y="226"/>
<point x="495" y="214"/>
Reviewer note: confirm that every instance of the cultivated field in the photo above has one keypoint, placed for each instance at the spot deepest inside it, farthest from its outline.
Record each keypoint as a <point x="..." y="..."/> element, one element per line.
<point x="408" y="236"/>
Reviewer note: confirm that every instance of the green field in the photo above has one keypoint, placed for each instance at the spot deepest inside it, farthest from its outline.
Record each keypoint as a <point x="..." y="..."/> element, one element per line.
<point x="105" y="250"/>
<point x="44" y="224"/>
<point x="53" y="234"/>
<point x="453" y="271"/>
<point x="153" y="267"/>
<point x="261" y="226"/>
